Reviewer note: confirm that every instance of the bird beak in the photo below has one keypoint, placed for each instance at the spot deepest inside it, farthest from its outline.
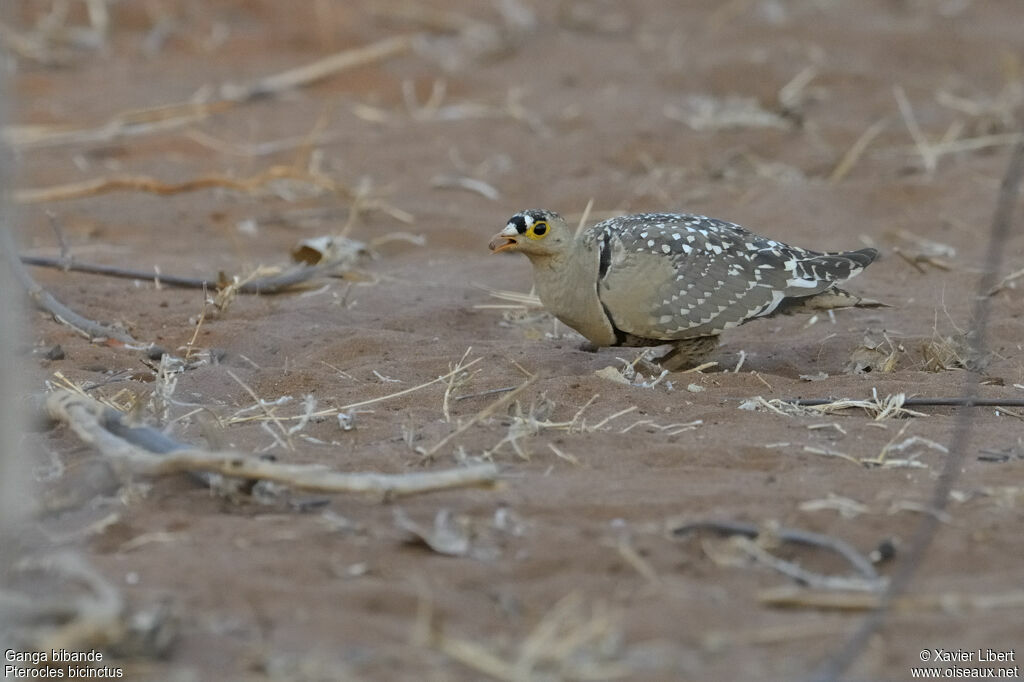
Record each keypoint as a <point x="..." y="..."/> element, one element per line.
<point x="504" y="240"/>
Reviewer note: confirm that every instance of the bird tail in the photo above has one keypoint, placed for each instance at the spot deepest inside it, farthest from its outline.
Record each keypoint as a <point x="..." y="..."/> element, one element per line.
<point x="840" y="266"/>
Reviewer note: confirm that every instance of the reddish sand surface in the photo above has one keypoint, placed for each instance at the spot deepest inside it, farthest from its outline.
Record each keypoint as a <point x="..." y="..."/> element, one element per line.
<point x="750" y="111"/>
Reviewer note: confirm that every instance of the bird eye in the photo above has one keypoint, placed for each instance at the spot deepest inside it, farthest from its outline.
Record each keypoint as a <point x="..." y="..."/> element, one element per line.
<point x="539" y="229"/>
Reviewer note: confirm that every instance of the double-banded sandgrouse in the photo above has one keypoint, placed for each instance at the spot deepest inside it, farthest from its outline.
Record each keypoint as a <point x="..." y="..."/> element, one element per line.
<point x="666" y="278"/>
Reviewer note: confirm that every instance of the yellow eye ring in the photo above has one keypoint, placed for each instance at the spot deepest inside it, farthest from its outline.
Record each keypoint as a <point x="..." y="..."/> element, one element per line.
<point x="538" y="230"/>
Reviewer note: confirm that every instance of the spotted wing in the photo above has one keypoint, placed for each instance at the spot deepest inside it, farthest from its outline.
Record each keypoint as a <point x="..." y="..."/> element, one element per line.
<point x="675" y="276"/>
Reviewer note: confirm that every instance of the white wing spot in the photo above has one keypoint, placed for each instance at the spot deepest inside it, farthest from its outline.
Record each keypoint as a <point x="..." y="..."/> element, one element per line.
<point x="676" y="236"/>
<point x="665" y="248"/>
<point x="650" y="243"/>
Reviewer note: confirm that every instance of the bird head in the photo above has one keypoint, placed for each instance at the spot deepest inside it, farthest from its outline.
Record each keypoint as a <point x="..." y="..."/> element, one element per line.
<point x="534" y="233"/>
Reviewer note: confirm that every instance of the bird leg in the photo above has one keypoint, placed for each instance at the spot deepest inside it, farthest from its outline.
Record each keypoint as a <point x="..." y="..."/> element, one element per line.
<point x="687" y="353"/>
<point x="830" y="299"/>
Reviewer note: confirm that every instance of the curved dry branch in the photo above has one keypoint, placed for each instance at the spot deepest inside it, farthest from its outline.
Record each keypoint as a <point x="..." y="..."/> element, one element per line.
<point x="46" y="301"/>
<point x="144" y="450"/>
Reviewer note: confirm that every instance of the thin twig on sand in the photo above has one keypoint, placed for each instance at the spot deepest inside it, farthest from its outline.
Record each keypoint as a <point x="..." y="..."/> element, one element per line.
<point x="790" y="597"/>
<point x="269" y="284"/>
<point x="88" y="419"/>
<point x="924" y="148"/>
<point x="853" y="154"/>
<point x="123" y="124"/>
<point x="46" y="301"/>
<point x="917" y="402"/>
<point x="318" y="70"/>
<point x="868" y="575"/>
<point x="880" y="408"/>
<point x="142" y="183"/>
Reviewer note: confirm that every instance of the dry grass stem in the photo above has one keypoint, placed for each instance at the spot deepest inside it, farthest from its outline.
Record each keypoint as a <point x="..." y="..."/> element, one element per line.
<point x="639" y="564"/>
<point x="457" y="377"/>
<point x="520" y="300"/>
<point x="891" y="406"/>
<point x="971" y="144"/>
<point x="268" y="412"/>
<point x="445" y="377"/>
<point x="318" y="70"/>
<point x="584" y="216"/>
<point x="739" y="362"/>
<point x="829" y="452"/>
<point x="846" y="507"/>
<point x="480" y="187"/>
<point x="482" y="414"/>
<point x="1008" y="281"/>
<point x="699" y="369"/>
<point x="853" y="154"/>
<point x="928" y="156"/>
<point x="791" y="95"/>
<point x="604" y="422"/>
<point x="125" y="124"/>
<point x="251" y="150"/>
<point x="571" y="459"/>
<point x="141" y="183"/>
<point x="240" y="417"/>
<point x="709" y="113"/>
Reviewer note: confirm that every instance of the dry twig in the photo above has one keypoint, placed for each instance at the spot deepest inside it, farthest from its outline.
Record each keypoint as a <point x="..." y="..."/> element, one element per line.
<point x="482" y="414"/>
<point x="89" y="420"/>
<point x="142" y="183"/>
<point x="858" y="561"/>
<point x="46" y="301"/>
<point x="790" y="597"/>
<point x="880" y="408"/>
<point x="269" y="284"/>
<point x="313" y="72"/>
<point x="854" y="153"/>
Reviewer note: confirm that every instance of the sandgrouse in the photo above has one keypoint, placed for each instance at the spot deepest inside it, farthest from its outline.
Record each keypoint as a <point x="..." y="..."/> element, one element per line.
<point x="668" y="278"/>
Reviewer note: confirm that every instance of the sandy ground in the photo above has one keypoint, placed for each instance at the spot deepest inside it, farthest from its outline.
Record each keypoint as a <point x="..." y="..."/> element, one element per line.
<point x="571" y="570"/>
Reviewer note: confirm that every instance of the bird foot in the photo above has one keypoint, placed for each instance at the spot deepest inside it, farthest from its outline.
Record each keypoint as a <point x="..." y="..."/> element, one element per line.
<point x="689" y="353"/>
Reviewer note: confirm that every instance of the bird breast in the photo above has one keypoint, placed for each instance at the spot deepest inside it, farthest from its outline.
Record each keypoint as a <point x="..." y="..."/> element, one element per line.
<point x="567" y="288"/>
